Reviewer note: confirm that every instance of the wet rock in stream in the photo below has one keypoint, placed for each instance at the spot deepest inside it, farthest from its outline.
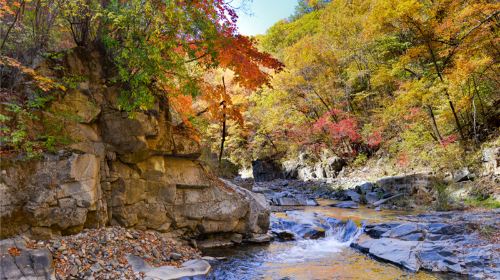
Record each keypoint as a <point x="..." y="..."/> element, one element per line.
<point x="439" y="242"/>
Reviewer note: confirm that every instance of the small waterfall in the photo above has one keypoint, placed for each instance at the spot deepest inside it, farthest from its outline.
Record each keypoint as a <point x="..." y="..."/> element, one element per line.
<point x="345" y="232"/>
<point x="301" y="224"/>
<point x="330" y="235"/>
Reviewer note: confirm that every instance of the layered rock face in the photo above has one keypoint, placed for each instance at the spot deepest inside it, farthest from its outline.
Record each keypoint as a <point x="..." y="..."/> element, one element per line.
<point x="139" y="172"/>
<point x="303" y="168"/>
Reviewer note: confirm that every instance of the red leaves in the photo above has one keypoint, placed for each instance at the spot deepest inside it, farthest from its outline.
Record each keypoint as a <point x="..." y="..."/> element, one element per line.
<point x="449" y="139"/>
<point x="374" y="139"/>
<point x="338" y="129"/>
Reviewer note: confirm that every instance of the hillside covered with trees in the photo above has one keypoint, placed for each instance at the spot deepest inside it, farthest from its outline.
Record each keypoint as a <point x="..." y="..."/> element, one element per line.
<point x="414" y="80"/>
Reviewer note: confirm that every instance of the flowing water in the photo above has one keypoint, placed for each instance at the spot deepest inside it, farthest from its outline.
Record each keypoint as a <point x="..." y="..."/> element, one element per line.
<point x="325" y="258"/>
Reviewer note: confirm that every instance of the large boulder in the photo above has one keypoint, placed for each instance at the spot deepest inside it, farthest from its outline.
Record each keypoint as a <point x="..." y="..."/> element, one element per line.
<point x="346" y="204"/>
<point x="407" y="184"/>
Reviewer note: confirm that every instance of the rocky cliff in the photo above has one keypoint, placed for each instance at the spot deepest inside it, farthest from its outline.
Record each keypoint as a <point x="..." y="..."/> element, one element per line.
<point x="140" y="171"/>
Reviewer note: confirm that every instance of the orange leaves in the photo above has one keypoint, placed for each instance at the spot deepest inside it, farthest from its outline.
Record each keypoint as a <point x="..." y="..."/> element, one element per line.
<point x="14" y="251"/>
<point x="239" y="54"/>
<point x="8" y="9"/>
<point x="220" y="103"/>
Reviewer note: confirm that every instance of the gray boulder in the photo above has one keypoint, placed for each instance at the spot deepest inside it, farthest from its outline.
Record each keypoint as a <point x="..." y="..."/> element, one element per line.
<point x="462" y="175"/>
<point x="33" y="264"/>
<point x="354" y="196"/>
<point x="365" y="187"/>
<point x="402" y="230"/>
<point x="372" y="197"/>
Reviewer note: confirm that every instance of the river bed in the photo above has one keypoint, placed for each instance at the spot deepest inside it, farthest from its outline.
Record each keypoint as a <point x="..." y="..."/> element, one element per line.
<point x="324" y="258"/>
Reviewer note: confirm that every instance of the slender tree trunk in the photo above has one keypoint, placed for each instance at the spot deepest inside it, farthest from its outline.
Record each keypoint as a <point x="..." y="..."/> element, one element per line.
<point x="474" y="118"/>
<point x="271" y="141"/>
<point x="322" y="100"/>
<point x="434" y="124"/>
<point x="479" y="97"/>
<point x="223" y="136"/>
<point x="21" y="7"/>
<point x="438" y="72"/>
<point x="457" y="121"/>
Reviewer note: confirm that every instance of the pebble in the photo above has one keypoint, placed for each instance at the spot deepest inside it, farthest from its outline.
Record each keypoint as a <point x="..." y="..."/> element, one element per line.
<point x="101" y="253"/>
<point x="175" y="256"/>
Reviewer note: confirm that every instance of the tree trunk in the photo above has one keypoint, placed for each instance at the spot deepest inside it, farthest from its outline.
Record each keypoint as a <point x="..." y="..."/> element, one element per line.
<point x="223" y="136"/>
<point x="434" y="124"/>
<point x="16" y="17"/>
<point x="474" y="118"/>
<point x="457" y="121"/>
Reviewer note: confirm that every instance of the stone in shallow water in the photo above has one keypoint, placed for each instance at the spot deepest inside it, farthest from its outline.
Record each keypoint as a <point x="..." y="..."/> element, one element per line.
<point x="312" y="232"/>
<point x="259" y="238"/>
<point x="346" y="204"/>
<point x="189" y="268"/>
<point x="284" y="235"/>
<point x="396" y="251"/>
<point x="294" y="201"/>
<point x="402" y="230"/>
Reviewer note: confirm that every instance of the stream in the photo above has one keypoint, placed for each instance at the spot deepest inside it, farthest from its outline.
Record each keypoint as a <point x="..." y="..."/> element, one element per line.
<point x="329" y="257"/>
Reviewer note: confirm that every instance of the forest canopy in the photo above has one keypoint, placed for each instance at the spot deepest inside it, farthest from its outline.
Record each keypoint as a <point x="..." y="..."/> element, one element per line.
<point x="417" y="80"/>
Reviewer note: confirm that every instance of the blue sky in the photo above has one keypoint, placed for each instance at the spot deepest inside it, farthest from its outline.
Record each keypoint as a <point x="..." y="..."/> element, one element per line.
<point x="263" y="14"/>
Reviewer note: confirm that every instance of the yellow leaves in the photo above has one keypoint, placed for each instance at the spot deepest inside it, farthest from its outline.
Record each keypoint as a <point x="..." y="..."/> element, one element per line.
<point x="42" y="82"/>
<point x="465" y="66"/>
<point x="382" y="77"/>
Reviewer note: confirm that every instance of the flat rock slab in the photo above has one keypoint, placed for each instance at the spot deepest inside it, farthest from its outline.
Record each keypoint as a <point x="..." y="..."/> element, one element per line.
<point x="293" y="201"/>
<point x="189" y="268"/>
<point x="392" y="250"/>
<point x="346" y="204"/>
<point x="207" y="244"/>
<point x="440" y="242"/>
<point x="19" y="262"/>
<point x="259" y="238"/>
